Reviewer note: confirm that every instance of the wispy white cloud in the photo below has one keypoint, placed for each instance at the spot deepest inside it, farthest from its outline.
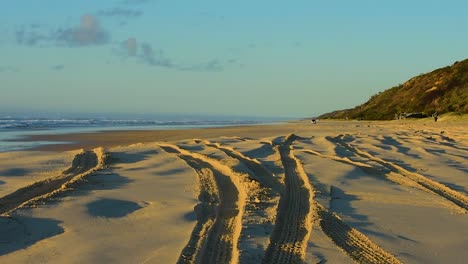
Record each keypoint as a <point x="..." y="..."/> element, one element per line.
<point x="130" y="46"/>
<point x="146" y="54"/>
<point x="120" y="12"/>
<point x="88" y="32"/>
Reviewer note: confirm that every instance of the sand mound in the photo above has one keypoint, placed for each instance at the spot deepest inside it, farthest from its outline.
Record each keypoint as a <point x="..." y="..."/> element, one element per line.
<point x="83" y="164"/>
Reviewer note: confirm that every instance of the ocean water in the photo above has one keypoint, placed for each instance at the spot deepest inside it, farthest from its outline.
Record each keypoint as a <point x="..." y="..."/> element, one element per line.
<point x="10" y="123"/>
<point x="15" y="128"/>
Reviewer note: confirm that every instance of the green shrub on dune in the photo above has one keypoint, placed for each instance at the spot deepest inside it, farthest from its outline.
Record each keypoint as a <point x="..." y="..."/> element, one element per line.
<point x="443" y="90"/>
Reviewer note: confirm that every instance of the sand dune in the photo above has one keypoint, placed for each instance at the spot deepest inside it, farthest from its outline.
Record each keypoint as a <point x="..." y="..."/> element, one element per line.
<point x="337" y="192"/>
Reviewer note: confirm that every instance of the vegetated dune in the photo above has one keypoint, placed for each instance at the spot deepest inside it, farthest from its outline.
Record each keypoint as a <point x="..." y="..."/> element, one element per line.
<point x="442" y="91"/>
<point x="368" y="194"/>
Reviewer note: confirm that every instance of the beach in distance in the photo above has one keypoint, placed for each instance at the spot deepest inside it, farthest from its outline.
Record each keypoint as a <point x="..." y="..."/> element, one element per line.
<point x="296" y="192"/>
<point x="233" y="132"/>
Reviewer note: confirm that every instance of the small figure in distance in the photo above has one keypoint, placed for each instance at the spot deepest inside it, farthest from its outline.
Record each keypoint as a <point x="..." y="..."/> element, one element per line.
<point x="314" y="121"/>
<point x="435" y="116"/>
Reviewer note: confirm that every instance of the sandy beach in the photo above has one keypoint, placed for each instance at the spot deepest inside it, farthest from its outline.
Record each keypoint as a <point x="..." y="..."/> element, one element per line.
<point x="332" y="192"/>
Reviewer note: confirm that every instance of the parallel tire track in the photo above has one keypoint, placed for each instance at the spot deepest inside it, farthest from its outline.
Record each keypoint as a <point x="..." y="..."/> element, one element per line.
<point x="264" y="191"/>
<point x="205" y="212"/>
<point x="260" y="173"/>
<point x="83" y="165"/>
<point x="288" y="242"/>
<point x="455" y="197"/>
<point x="370" y="169"/>
<point x="354" y="243"/>
<point x="215" y="237"/>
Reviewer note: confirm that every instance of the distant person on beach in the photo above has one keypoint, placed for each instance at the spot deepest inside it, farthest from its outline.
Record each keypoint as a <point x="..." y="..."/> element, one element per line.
<point x="314" y="121"/>
<point x="436" y="116"/>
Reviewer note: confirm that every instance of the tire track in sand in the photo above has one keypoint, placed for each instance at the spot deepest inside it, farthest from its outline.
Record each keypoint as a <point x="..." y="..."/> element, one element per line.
<point x="455" y="197"/>
<point x="354" y="243"/>
<point x="293" y="225"/>
<point x="369" y="169"/>
<point x="83" y="164"/>
<point x="259" y="172"/>
<point x="263" y="190"/>
<point x="215" y="237"/>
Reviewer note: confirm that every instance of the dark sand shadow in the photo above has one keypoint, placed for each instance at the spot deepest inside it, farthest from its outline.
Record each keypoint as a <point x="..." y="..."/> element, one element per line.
<point x="362" y="172"/>
<point x="14" y="172"/>
<point x="343" y="152"/>
<point x="93" y="182"/>
<point x="19" y="232"/>
<point x="171" y="172"/>
<point x="393" y="142"/>
<point x="278" y="140"/>
<point x="455" y="187"/>
<point x="125" y="157"/>
<point x="401" y="163"/>
<point x="444" y="153"/>
<point x="98" y="181"/>
<point x="111" y="208"/>
<point x="194" y="148"/>
<point x="260" y="152"/>
<point x="190" y="216"/>
<point x="340" y="203"/>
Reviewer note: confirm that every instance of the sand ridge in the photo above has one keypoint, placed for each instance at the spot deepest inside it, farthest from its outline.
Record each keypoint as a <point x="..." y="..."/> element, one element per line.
<point x="82" y="165"/>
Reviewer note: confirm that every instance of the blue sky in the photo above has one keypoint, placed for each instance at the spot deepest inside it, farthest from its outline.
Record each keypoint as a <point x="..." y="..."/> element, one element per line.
<point x="250" y="58"/>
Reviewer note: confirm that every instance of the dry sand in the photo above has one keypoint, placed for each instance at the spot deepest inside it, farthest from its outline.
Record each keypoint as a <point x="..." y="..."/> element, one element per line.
<point x="334" y="192"/>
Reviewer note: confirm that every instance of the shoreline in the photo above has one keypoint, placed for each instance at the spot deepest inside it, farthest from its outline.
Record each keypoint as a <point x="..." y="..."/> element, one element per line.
<point x="113" y="138"/>
<point x="41" y="136"/>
